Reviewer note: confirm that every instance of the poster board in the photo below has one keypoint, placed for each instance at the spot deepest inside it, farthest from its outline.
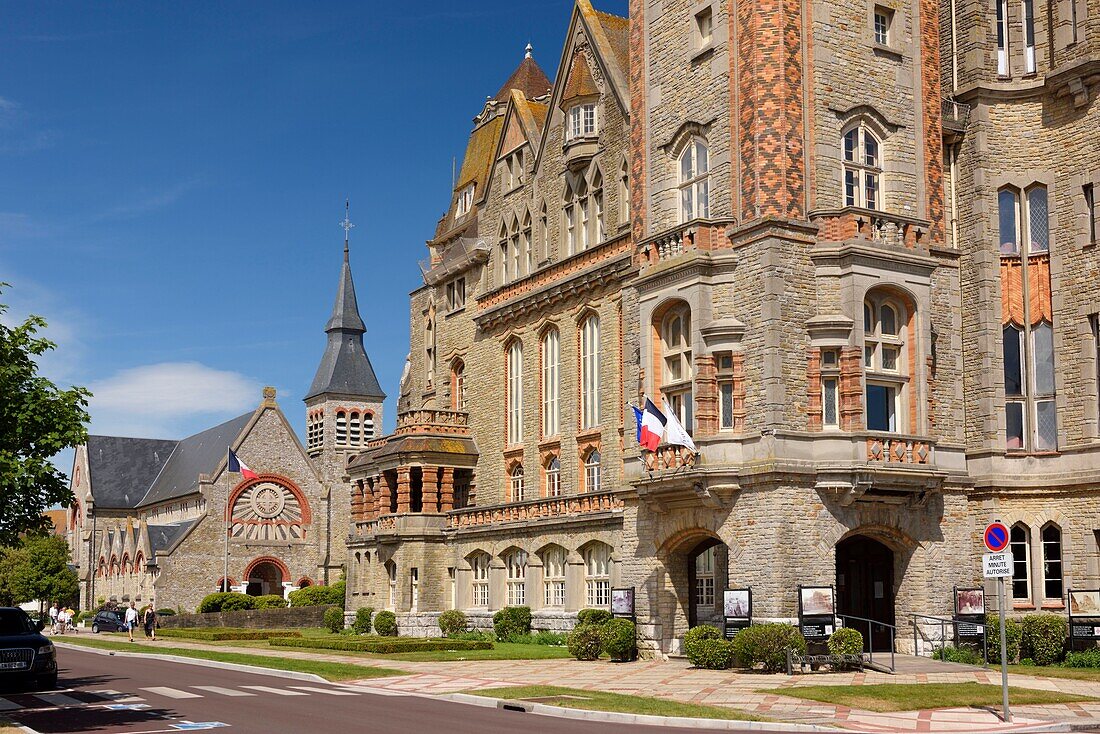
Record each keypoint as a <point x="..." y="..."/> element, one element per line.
<point x="816" y="612"/>
<point x="736" y="610"/>
<point x="622" y="602"/>
<point x="1084" y="614"/>
<point x="969" y="614"/>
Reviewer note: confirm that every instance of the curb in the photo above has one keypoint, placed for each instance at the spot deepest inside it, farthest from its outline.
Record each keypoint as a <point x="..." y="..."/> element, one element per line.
<point x="239" y="667"/>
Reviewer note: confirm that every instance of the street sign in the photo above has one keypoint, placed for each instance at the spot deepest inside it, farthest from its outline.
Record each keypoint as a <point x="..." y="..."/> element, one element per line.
<point x="996" y="537"/>
<point x="997" y="565"/>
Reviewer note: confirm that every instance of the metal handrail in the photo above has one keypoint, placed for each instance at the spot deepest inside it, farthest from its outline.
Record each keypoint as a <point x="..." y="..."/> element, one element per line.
<point x="870" y="640"/>
<point x="944" y="621"/>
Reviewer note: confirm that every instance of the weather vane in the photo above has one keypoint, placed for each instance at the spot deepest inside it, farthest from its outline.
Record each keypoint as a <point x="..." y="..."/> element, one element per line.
<point x="346" y="224"/>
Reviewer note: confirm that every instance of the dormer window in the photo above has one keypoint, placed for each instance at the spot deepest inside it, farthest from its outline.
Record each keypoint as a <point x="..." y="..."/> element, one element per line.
<point x="581" y="121"/>
<point x="464" y="202"/>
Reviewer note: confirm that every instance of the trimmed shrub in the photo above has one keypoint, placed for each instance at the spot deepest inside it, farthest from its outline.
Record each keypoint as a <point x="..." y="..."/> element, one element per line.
<point x="695" y="635"/>
<point x="585" y="642"/>
<point x="476" y="635"/>
<point x="226" y="601"/>
<point x="593" y="616"/>
<point x="453" y="622"/>
<point x="218" y="634"/>
<point x="512" y="623"/>
<point x="270" y="601"/>
<point x="1043" y="637"/>
<point x="166" y="612"/>
<point x="1089" y="658"/>
<point x="385" y="624"/>
<point x="545" y="637"/>
<point x="767" y="644"/>
<point x="1027" y="662"/>
<point x="334" y="619"/>
<point x="1013" y="634"/>
<point x="952" y="654"/>
<point x="846" y="641"/>
<point x="619" y="639"/>
<point x="316" y="596"/>
<point x="712" y="653"/>
<point x="380" y="645"/>
<point x="361" y="625"/>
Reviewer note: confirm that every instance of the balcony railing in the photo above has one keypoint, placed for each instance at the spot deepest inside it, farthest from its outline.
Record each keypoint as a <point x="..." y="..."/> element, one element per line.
<point x="669" y="457"/>
<point x="428" y="420"/>
<point x="899" y="450"/>
<point x="700" y="234"/>
<point x="884" y="228"/>
<point x="955" y="115"/>
<point x="546" y="507"/>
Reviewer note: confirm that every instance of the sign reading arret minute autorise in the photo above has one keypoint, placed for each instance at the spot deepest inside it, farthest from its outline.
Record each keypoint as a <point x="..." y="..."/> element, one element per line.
<point x="997" y="564"/>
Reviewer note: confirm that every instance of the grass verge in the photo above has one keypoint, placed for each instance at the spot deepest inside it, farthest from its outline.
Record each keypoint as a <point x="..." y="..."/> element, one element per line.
<point x="916" y="696"/>
<point x="1053" y="671"/>
<point x="328" y="670"/>
<point x="500" y="651"/>
<point x="576" y="698"/>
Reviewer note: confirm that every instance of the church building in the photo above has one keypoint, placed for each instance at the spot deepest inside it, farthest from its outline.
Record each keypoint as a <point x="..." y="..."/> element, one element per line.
<point x="150" y="518"/>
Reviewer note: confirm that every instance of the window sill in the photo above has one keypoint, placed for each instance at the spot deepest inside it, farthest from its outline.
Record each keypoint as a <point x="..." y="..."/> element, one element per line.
<point x="513" y="450"/>
<point x="550" y="442"/>
<point x="698" y="53"/>
<point x="454" y="312"/>
<point x="589" y="434"/>
<point x="1022" y="454"/>
<point x="888" y="51"/>
<point x="1024" y="607"/>
<point x="1053" y="605"/>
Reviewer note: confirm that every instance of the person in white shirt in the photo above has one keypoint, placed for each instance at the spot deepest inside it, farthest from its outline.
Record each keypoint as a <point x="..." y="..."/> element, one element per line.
<point x="131" y="620"/>
<point x="53" y="618"/>
<point x="62" y="620"/>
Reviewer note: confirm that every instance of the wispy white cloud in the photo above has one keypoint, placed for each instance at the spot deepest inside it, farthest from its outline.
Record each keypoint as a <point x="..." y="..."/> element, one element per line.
<point x="146" y="201"/>
<point x="160" y="400"/>
<point x="19" y="137"/>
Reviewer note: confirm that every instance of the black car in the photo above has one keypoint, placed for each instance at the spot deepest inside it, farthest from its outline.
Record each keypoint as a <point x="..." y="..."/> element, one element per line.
<point x="108" y="621"/>
<point x="25" y="655"/>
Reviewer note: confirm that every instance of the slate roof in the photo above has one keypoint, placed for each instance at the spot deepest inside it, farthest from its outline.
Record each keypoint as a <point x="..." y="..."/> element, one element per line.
<point x="165" y="537"/>
<point x="121" y="469"/>
<point x="194" y="455"/>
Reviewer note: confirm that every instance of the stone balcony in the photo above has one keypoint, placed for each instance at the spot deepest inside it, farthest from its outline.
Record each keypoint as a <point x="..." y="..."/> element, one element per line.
<point x="872" y="225"/>
<point x="430" y="420"/>
<point x="698" y="234"/>
<point x="411" y="524"/>
<point x="537" y="510"/>
<point x="580" y="150"/>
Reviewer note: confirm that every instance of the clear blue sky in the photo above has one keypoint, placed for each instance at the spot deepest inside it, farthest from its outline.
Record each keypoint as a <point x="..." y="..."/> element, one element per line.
<point x="172" y="176"/>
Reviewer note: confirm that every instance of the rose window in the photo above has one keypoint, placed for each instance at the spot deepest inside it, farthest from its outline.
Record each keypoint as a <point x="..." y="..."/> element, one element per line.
<point x="267" y="511"/>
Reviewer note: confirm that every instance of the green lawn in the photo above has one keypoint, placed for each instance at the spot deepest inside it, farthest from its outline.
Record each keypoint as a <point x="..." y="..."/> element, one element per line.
<point x="1051" y="671"/>
<point x="325" y="669"/>
<point x="914" y="696"/>
<point x="601" y="701"/>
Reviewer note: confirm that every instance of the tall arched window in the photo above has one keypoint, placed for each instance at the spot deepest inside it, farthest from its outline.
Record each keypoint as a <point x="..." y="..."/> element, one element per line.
<point x="862" y="168"/>
<point x="550" y="363"/>
<point x="695" y="182"/>
<point x="516" y="584"/>
<point x="1020" y="545"/>
<point x="704" y="578"/>
<point x="479" y="584"/>
<point x="1052" y="562"/>
<point x="458" y="385"/>
<point x="597" y="575"/>
<point x="528" y="256"/>
<point x="584" y="232"/>
<point x="553" y="478"/>
<point x="515" y="393"/>
<point x="515" y="256"/>
<point x="553" y="576"/>
<point x="676" y="385"/>
<point x="516" y="484"/>
<point x="600" y="233"/>
<point x="544" y="232"/>
<point x="429" y="346"/>
<point x="590" y="372"/>
<point x="391" y="577"/>
<point x="592" y="471"/>
<point x="570" y="220"/>
<point x="502" y="248"/>
<point x="341" y="428"/>
<point x="355" y="436"/>
<point x="624" y="193"/>
<point x="884" y="319"/>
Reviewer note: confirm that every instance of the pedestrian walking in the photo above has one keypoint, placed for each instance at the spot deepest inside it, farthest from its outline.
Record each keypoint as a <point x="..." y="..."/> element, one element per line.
<point x="149" y="621"/>
<point x="62" y="620"/>
<point x="131" y="619"/>
<point x="53" y="618"/>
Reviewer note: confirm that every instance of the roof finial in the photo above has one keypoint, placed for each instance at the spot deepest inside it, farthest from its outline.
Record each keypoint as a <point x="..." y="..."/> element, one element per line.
<point x="347" y="225"/>
<point x="528" y="50"/>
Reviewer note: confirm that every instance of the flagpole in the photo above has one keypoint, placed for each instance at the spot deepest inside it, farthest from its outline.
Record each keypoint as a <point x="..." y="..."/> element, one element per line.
<point x="225" y="574"/>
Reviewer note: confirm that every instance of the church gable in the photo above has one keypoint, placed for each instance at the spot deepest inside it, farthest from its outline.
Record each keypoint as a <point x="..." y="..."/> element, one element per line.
<point x="579" y="82"/>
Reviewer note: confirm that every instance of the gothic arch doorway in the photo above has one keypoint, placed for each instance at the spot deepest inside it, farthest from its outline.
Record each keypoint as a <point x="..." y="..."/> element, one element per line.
<point x="865" y="587"/>
<point x="265" y="578"/>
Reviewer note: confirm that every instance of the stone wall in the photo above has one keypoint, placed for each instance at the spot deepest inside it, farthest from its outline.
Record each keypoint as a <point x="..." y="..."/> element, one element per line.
<point x="289" y="618"/>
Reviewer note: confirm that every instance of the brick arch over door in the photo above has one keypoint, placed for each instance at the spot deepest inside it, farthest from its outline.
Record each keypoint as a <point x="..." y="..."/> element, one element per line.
<point x="278" y="563"/>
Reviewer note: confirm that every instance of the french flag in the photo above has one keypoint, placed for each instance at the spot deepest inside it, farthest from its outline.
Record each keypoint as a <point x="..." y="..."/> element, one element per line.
<point x="236" y="465"/>
<point x="651" y="426"/>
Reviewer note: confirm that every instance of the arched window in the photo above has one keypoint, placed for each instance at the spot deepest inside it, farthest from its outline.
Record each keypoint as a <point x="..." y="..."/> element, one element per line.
<point x="624" y="193"/>
<point x="600" y="233"/>
<point x="553" y="576"/>
<point x="553" y="478"/>
<point x="883" y="361"/>
<point x="862" y="168"/>
<point x="1052" y="562"/>
<point x="592" y="471"/>
<point x="479" y="589"/>
<point x="429" y="346"/>
<point x="550" y="363"/>
<point x="391" y="577"/>
<point x="597" y="575"/>
<point x="528" y="254"/>
<point x="590" y="372"/>
<point x="515" y="256"/>
<point x="704" y="578"/>
<point x="502" y="248"/>
<point x="368" y="425"/>
<point x="341" y="428"/>
<point x="515" y="393"/>
<point x="458" y="385"/>
<point x="516" y="484"/>
<point x="584" y="226"/>
<point x="694" y="182"/>
<point x="570" y="220"/>
<point x="516" y="584"/>
<point x="355" y="436"/>
<point x="1020" y="545"/>
<point x="544" y="232"/>
<point x="676" y="386"/>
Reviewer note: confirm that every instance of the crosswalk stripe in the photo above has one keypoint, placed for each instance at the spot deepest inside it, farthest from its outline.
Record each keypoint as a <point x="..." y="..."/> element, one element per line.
<point x="6" y="705"/>
<point x="171" y="692"/>
<point x="224" y="691"/>
<point x="116" y="696"/>
<point x="59" y="699"/>
<point x="327" y="691"/>
<point x="276" y="691"/>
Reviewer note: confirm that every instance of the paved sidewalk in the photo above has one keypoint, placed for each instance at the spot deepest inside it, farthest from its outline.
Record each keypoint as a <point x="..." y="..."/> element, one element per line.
<point x="676" y="680"/>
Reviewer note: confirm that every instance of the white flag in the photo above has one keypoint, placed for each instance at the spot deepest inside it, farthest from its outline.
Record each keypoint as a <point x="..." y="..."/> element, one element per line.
<point x="675" y="434"/>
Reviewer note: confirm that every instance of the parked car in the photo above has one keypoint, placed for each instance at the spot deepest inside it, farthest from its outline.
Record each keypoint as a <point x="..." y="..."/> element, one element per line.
<point x="25" y="654"/>
<point x="108" y="621"/>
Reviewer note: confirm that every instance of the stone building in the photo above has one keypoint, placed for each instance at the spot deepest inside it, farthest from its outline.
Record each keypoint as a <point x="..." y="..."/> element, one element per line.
<point x="150" y="515"/>
<point x="783" y="219"/>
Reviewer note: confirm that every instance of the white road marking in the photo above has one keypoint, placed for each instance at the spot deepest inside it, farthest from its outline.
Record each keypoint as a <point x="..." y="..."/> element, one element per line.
<point x="276" y="691"/>
<point x="171" y="692"/>
<point x="224" y="691"/>
<point x="59" y="699"/>
<point x="113" y="695"/>
<point x="6" y="705"/>
<point x="326" y="691"/>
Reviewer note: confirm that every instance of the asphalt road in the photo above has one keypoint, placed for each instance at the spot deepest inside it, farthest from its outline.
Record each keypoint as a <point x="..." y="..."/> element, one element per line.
<point x="130" y="695"/>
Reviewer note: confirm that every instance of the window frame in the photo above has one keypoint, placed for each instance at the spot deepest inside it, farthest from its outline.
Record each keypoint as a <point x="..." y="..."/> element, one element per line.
<point x="582" y="120"/>
<point x="1050" y="560"/>
<point x="554" y="565"/>
<point x="480" y="564"/>
<point x="694" y="182"/>
<point x="1021" y="563"/>
<point x="593" y="471"/>
<point x="704" y="590"/>
<point x="590" y="363"/>
<point x="894" y="382"/>
<point x="861" y="169"/>
<point x="550" y="348"/>
<point x="597" y="575"/>
<point x="552" y="477"/>
<point x="883" y="36"/>
<point x="514" y="391"/>
<point x="516" y="565"/>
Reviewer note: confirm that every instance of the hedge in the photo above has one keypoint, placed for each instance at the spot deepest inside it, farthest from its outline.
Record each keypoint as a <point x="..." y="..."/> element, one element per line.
<point x="453" y="622"/>
<point x="214" y="635"/>
<point x="511" y="623"/>
<point x="846" y="641"/>
<point x="1089" y="658"/>
<point x="593" y="616"/>
<point x="1014" y="632"/>
<point x="697" y="634"/>
<point x="381" y="646"/>
<point x="362" y="623"/>
<point x="712" y="654"/>
<point x="1043" y="638"/>
<point x="334" y="619"/>
<point x="767" y="645"/>
<point x="271" y="601"/>
<point x="226" y="601"/>
<point x="385" y="624"/>
<point x="585" y="642"/>
<point x="316" y="596"/>
<point x="619" y="639"/>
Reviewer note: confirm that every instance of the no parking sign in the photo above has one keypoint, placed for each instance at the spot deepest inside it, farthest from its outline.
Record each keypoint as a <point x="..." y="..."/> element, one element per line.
<point x="996" y="537"/>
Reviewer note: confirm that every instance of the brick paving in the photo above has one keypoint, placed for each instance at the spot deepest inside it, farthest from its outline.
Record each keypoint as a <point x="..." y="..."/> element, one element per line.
<point x="676" y="680"/>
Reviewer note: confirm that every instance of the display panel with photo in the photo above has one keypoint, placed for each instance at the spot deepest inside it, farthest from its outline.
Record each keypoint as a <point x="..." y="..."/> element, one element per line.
<point x="970" y="602"/>
<point x="1084" y="603"/>
<point x="622" y="601"/>
<point x="817" y="601"/>
<point x="737" y="604"/>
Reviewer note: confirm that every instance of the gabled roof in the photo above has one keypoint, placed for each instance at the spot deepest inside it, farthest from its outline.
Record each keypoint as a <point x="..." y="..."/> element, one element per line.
<point x="478" y="160"/>
<point x="163" y="538"/>
<point x="120" y="470"/>
<point x="194" y="455"/>
<point x="579" y="81"/>
<point x="528" y="78"/>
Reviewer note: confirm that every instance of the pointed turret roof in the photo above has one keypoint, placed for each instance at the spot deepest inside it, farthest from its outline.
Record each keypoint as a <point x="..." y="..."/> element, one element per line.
<point x="345" y="368"/>
<point x="528" y="78"/>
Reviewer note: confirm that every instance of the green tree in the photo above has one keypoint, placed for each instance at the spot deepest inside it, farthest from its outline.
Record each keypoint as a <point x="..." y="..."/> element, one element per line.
<point x="37" y="421"/>
<point x="37" y="568"/>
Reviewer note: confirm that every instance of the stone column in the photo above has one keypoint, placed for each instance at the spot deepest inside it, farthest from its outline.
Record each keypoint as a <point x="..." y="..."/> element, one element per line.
<point x="706" y="396"/>
<point x="404" y="481"/>
<point x="851" y="388"/>
<point x="447" y="490"/>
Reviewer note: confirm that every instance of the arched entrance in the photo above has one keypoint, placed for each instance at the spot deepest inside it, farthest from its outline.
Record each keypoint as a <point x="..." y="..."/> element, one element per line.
<point x="265" y="578"/>
<point x="865" y="586"/>
<point x="689" y="591"/>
